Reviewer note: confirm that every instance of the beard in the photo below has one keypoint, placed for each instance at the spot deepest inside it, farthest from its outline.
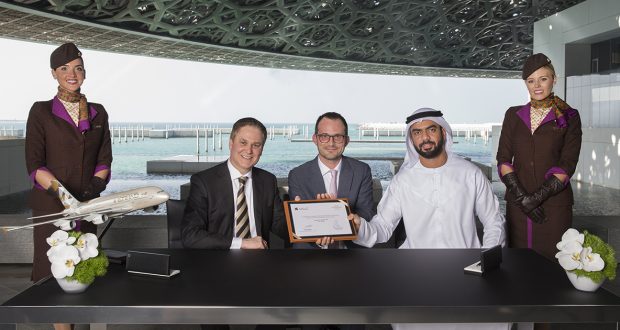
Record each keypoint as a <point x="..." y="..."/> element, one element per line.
<point x="434" y="152"/>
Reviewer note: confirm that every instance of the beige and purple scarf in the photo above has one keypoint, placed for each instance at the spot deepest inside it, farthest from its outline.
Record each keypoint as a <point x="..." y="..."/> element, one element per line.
<point x="73" y="97"/>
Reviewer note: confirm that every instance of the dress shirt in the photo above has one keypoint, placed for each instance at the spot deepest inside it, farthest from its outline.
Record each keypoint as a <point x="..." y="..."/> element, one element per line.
<point x="327" y="177"/>
<point x="234" y="177"/>
<point x="327" y="181"/>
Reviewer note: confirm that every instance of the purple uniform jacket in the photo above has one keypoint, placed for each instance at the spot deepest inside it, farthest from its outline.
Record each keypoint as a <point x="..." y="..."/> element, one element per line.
<point x="536" y="156"/>
<point x="53" y="142"/>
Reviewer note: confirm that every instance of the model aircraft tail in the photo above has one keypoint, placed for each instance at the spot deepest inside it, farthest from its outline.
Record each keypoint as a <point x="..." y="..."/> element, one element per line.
<point x="67" y="200"/>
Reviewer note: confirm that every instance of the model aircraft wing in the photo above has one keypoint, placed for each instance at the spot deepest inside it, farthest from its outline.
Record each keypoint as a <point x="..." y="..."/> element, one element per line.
<point x="117" y="215"/>
<point x="47" y="215"/>
<point x="32" y="225"/>
<point x="111" y="212"/>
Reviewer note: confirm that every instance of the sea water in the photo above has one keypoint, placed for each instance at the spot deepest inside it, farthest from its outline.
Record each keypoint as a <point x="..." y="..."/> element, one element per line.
<point x="280" y="155"/>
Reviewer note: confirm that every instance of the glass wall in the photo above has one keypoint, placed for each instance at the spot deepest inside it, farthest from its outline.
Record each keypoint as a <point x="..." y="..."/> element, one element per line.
<point x="605" y="56"/>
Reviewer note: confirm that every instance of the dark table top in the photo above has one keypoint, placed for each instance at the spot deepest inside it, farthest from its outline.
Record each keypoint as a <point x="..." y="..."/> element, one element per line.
<point x="358" y="286"/>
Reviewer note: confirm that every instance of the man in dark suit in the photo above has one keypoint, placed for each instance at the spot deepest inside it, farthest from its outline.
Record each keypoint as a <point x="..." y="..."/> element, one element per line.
<point x="235" y="205"/>
<point x="331" y="172"/>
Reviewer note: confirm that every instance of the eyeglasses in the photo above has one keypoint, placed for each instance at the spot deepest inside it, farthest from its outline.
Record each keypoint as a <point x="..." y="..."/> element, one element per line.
<point x="324" y="138"/>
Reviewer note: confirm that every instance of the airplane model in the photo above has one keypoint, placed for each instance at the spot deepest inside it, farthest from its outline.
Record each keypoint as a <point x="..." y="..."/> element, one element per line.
<point x="100" y="209"/>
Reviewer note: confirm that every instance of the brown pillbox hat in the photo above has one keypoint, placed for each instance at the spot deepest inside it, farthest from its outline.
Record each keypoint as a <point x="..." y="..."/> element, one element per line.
<point x="64" y="54"/>
<point x="534" y="63"/>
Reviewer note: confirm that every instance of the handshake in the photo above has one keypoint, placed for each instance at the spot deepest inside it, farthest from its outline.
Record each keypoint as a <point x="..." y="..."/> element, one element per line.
<point x="530" y="204"/>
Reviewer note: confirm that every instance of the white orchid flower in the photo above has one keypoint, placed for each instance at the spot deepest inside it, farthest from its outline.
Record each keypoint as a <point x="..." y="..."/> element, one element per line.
<point x="571" y="247"/>
<point x="58" y="239"/>
<point x="571" y="235"/>
<point x="570" y="261"/>
<point x="570" y="256"/>
<point x="87" y="246"/>
<point x="592" y="262"/>
<point x="64" y="260"/>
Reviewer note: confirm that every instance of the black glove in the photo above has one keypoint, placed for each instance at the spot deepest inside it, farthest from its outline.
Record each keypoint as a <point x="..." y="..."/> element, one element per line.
<point x="94" y="188"/>
<point x="550" y="187"/>
<point x="52" y="191"/>
<point x="514" y="186"/>
<point x="538" y="215"/>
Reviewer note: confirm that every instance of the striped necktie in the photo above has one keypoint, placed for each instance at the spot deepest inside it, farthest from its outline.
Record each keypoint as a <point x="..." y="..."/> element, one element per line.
<point x="242" y="224"/>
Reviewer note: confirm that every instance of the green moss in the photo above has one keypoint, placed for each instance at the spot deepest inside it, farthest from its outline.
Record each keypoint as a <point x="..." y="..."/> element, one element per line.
<point x="86" y="271"/>
<point x="606" y="252"/>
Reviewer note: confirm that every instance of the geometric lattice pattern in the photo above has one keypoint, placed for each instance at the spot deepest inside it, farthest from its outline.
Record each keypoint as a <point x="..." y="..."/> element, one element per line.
<point x="491" y="36"/>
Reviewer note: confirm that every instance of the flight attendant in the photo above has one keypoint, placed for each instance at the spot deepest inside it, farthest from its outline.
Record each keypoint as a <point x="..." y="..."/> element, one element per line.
<point x="67" y="139"/>
<point x="537" y="155"/>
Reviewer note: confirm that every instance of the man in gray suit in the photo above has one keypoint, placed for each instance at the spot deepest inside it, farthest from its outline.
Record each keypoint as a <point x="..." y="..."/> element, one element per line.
<point x="331" y="172"/>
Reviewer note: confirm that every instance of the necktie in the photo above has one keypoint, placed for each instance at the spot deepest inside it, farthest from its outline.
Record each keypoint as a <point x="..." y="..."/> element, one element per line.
<point x="242" y="225"/>
<point x="333" y="190"/>
<point x="333" y="185"/>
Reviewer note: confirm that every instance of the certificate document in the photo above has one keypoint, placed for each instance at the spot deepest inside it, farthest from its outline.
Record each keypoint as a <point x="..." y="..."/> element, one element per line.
<point x="311" y="219"/>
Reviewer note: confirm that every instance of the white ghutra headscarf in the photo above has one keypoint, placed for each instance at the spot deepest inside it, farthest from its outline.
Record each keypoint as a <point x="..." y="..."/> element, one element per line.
<point x="412" y="157"/>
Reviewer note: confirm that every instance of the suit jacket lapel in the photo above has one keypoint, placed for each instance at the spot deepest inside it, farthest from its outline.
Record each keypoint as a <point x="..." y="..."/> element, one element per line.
<point x="317" y="185"/>
<point x="259" y="195"/>
<point x="345" y="178"/>
<point x="225" y="184"/>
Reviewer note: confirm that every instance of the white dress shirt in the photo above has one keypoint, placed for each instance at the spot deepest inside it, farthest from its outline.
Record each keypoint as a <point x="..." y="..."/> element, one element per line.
<point x="327" y="181"/>
<point x="249" y="198"/>
<point x="327" y="177"/>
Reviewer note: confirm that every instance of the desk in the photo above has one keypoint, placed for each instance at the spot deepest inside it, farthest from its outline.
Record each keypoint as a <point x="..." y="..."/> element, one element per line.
<point x="359" y="286"/>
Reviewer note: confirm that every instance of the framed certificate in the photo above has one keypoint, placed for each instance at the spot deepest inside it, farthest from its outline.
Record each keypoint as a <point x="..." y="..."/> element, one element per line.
<point x="309" y="220"/>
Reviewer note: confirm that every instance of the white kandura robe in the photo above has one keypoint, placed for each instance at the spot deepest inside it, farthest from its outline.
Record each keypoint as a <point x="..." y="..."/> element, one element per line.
<point x="438" y="206"/>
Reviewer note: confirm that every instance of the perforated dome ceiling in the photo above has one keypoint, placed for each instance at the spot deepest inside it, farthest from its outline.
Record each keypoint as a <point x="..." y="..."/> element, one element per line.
<point x="413" y="37"/>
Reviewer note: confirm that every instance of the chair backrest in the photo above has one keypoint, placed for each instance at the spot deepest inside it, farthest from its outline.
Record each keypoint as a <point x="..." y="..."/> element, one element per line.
<point x="175" y="209"/>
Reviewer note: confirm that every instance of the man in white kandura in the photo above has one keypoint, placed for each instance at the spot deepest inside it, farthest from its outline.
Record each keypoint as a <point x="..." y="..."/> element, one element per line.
<point x="438" y="194"/>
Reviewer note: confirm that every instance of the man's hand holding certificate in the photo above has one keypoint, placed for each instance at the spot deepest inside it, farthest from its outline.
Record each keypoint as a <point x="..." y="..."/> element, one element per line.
<point x="310" y="220"/>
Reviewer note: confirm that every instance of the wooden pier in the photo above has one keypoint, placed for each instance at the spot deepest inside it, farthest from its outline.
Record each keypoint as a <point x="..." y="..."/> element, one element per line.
<point x="211" y="131"/>
<point x="183" y="164"/>
<point x="11" y="131"/>
<point x="190" y="164"/>
<point x="468" y="131"/>
<point x="357" y="141"/>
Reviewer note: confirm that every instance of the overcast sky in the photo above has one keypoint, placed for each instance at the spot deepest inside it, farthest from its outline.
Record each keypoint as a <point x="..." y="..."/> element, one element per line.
<point x="136" y="88"/>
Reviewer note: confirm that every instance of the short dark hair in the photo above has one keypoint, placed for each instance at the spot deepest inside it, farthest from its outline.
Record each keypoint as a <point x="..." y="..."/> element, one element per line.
<point x="332" y="116"/>
<point x="248" y="121"/>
